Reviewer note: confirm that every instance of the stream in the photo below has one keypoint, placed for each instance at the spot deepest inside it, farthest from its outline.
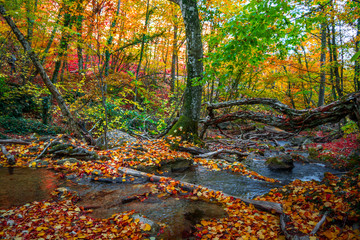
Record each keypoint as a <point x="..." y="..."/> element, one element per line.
<point x="22" y="185"/>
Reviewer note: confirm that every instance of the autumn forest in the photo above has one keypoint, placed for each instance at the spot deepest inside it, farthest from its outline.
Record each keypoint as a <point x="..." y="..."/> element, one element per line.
<point x="179" y="119"/>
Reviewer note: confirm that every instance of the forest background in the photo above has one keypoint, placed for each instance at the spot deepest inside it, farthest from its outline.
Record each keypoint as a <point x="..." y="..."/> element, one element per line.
<point x="124" y="62"/>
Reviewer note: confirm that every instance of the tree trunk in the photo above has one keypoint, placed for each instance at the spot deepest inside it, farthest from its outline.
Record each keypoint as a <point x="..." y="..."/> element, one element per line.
<point x="141" y="50"/>
<point x="174" y="57"/>
<point x="63" y="43"/>
<point x="357" y="61"/>
<point x="79" y="29"/>
<point x="109" y="41"/>
<point x="322" y="65"/>
<point x="64" y="109"/>
<point x="187" y="125"/>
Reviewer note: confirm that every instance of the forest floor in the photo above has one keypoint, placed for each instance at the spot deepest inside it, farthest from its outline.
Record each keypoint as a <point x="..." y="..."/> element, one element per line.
<point x="305" y="202"/>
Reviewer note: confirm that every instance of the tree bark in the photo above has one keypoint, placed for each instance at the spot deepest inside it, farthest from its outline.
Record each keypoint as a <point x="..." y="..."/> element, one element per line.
<point x="187" y="125"/>
<point x="34" y="58"/>
<point x="295" y="120"/>
<point x="322" y="65"/>
<point x="357" y="61"/>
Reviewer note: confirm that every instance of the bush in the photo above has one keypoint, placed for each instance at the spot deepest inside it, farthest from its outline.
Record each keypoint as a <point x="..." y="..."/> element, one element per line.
<point x="26" y="126"/>
<point x="17" y="100"/>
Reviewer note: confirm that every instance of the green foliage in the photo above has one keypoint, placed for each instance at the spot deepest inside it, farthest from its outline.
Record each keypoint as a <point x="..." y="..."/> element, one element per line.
<point x="17" y="100"/>
<point x="350" y="127"/>
<point x="124" y="119"/>
<point x="25" y="126"/>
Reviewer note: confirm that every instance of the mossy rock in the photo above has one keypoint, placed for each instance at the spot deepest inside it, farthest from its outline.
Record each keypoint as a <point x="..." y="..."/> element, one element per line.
<point x="280" y="163"/>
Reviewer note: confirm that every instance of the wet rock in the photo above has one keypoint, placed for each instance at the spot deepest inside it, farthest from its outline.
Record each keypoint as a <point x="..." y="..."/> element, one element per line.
<point x="301" y="140"/>
<point x="177" y="165"/>
<point x="67" y="160"/>
<point x="143" y="220"/>
<point x="173" y="165"/>
<point x="280" y="163"/>
<point x="115" y="138"/>
<point x="38" y="163"/>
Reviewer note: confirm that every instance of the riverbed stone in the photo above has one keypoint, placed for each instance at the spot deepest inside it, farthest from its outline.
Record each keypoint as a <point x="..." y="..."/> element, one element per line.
<point x="69" y="160"/>
<point x="170" y="165"/>
<point x="280" y="163"/>
<point x="143" y="220"/>
<point x="115" y="138"/>
<point x="38" y="163"/>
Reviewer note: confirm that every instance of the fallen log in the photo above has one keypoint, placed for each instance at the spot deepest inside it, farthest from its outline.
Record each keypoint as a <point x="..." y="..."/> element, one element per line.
<point x="13" y="141"/>
<point x="10" y="158"/>
<point x="204" y="153"/>
<point x="292" y="120"/>
<point x="271" y="207"/>
<point x="222" y="151"/>
<point x="263" y="205"/>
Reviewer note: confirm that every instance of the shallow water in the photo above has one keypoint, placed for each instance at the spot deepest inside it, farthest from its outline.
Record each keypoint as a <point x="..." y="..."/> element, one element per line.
<point x="22" y="185"/>
<point x="237" y="185"/>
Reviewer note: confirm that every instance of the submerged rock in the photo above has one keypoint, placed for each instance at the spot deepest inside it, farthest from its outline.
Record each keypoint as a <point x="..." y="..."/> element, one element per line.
<point x="115" y="138"/>
<point x="281" y="162"/>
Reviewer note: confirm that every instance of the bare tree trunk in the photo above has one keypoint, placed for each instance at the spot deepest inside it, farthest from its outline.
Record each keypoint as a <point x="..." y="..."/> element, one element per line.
<point x="322" y="65"/>
<point x="64" y="109"/>
<point x="174" y="58"/>
<point x="357" y="61"/>
<point x="142" y="49"/>
<point x="79" y="29"/>
<point x="110" y="39"/>
<point x="64" y="42"/>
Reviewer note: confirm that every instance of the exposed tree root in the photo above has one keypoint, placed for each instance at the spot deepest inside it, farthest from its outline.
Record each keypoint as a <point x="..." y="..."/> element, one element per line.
<point x="292" y="120"/>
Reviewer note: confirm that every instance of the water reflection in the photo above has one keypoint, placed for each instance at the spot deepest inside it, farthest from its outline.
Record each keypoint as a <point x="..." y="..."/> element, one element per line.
<point x="22" y="185"/>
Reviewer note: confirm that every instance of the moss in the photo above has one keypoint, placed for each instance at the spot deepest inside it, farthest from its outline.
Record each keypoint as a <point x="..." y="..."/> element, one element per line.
<point x="186" y="129"/>
<point x="274" y="160"/>
<point x="313" y="153"/>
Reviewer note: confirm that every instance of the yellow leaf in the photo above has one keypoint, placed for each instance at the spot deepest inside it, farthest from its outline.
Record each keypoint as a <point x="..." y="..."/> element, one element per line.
<point x="327" y="204"/>
<point x="313" y="238"/>
<point x="41" y="228"/>
<point x="145" y="227"/>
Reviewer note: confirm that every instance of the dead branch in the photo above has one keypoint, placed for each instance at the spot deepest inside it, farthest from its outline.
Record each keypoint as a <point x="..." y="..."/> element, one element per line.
<point x="222" y="151"/>
<point x="45" y="149"/>
<point x="13" y="141"/>
<point x="293" y="120"/>
<point x="318" y="225"/>
<point x="10" y="158"/>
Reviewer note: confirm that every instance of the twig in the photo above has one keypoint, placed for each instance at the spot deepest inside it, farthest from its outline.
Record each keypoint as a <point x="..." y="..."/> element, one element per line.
<point x="45" y="149"/>
<point x="318" y="225"/>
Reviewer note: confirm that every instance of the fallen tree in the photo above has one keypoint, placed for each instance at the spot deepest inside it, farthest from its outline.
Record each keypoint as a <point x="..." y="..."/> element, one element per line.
<point x="291" y="120"/>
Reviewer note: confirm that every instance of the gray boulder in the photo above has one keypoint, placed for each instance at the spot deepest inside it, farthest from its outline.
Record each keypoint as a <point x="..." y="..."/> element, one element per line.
<point x="143" y="220"/>
<point x="115" y="138"/>
<point x="282" y="162"/>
